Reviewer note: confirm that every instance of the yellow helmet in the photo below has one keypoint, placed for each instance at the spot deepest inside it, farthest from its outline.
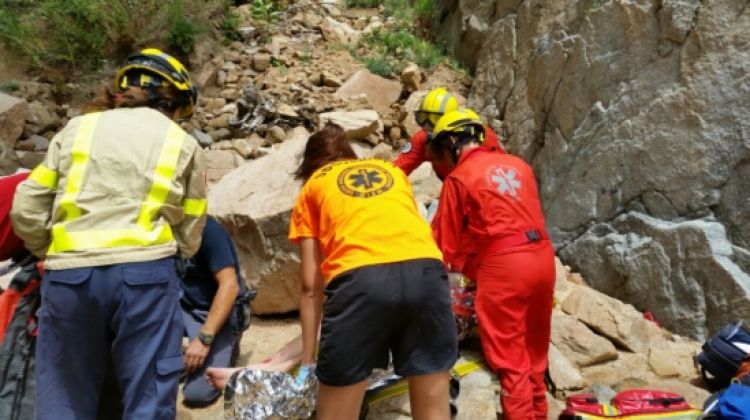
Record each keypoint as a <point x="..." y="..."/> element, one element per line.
<point x="437" y="102"/>
<point x="151" y="67"/>
<point x="463" y="121"/>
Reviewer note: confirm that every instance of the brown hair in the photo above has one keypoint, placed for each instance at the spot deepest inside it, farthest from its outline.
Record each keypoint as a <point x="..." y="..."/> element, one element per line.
<point x="134" y="97"/>
<point x="323" y="147"/>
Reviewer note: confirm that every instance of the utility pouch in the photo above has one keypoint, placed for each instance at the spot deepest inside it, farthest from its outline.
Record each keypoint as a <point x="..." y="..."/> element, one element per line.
<point x="243" y="309"/>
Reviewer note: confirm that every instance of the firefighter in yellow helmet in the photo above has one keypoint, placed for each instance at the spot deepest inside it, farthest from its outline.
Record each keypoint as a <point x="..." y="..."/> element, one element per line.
<point x="437" y="102"/>
<point x="119" y="195"/>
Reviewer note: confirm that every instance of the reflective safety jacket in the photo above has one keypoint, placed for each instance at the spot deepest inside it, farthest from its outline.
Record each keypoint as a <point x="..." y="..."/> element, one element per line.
<point x="123" y="185"/>
<point x="414" y="153"/>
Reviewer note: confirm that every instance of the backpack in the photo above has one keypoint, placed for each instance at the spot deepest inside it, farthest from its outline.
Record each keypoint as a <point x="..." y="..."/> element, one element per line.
<point x="722" y="354"/>
<point x="17" y="382"/>
<point x="638" y="404"/>
<point x="732" y="403"/>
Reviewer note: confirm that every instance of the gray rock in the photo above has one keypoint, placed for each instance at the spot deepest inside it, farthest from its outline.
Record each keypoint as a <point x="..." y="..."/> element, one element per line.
<point x="411" y="77"/>
<point x="13" y="113"/>
<point x="357" y="124"/>
<point x="261" y="61"/>
<point x="335" y="31"/>
<point x="381" y="92"/>
<point x="219" y="163"/>
<point x="8" y="160"/>
<point x="202" y="138"/>
<point x="28" y="160"/>
<point x="682" y="272"/>
<point x="624" y="106"/>
<point x="578" y="343"/>
<point x="42" y="118"/>
<point x="564" y="374"/>
<point x="609" y="317"/>
<point x="220" y="134"/>
<point x="244" y="148"/>
<point x="277" y="134"/>
<point x="257" y="218"/>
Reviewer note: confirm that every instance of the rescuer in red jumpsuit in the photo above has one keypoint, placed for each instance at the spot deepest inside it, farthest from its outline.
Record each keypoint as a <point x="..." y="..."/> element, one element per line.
<point x="491" y="228"/>
<point x="436" y="103"/>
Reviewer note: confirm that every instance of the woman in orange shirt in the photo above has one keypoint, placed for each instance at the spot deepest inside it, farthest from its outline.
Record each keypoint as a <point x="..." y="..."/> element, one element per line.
<point x="366" y="248"/>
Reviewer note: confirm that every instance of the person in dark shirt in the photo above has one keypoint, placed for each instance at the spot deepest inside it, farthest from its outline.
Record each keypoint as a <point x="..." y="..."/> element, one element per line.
<point x="215" y="311"/>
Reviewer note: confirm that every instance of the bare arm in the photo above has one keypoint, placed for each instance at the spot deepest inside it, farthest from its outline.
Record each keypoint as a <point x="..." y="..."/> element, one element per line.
<point x="311" y="298"/>
<point x="218" y="314"/>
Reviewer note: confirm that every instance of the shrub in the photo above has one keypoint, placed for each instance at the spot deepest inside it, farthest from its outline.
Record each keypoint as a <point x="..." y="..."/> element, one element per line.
<point x="387" y="52"/>
<point x="230" y="25"/>
<point x="10" y="86"/>
<point x="379" y="66"/>
<point x="364" y="3"/>
<point x="181" y="36"/>
<point x="75" y="36"/>
<point x="266" y="11"/>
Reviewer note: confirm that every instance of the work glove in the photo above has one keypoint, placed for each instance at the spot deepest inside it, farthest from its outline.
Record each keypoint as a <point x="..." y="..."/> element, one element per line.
<point x="304" y="372"/>
<point x="455" y="279"/>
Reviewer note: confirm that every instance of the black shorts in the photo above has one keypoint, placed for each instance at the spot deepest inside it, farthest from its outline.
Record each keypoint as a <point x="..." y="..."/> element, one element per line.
<point x="402" y="307"/>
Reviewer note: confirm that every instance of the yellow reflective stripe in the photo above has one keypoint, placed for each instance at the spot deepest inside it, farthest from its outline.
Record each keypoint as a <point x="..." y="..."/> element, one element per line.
<point x="80" y="159"/>
<point x="110" y="238"/>
<point x="609" y="409"/>
<point x="398" y="388"/>
<point x="163" y="174"/>
<point x="464" y="368"/>
<point x="402" y="386"/>
<point x="44" y="176"/>
<point x="194" y="207"/>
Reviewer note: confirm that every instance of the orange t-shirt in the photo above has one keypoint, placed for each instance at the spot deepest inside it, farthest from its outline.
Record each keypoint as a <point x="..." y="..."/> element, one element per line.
<point x="362" y="212"/>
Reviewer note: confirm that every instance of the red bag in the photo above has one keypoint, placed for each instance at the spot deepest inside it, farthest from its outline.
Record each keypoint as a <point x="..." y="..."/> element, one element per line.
<point x="462" y="299"/>
<point x="633" y="404"/>
<point x="9" y="242"/>
<point x="9" y="300"/>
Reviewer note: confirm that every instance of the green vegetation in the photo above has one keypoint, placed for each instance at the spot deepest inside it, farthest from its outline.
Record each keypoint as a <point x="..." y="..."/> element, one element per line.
<point x="387" y="51"/>
<point x="9" y="86"/>
<point x="266" y="11"/>
<point x="230" y="24"/>
<point x="67" y="37"/>
<point x="364" y="3"/>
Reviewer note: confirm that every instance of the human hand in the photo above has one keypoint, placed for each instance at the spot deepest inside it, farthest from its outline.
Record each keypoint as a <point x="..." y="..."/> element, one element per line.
<point x="195" y="355"/>
<point x="455" y="279"/>
<point x="304" y="372"/>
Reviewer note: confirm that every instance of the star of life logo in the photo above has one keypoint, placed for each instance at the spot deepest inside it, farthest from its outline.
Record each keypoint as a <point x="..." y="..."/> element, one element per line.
<point x="505" y="181"/>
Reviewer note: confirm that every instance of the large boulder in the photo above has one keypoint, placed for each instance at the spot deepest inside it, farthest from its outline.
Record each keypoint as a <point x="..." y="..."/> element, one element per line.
<point x="380" y="92"/>
<point x="624" y="106"/>
<point x="253" y="203"/>
<point x="356" y="124"/>
<point x="578" y="343"/>
<point x="685" y="273"/>
<point x="13" y="114"/>
<point x="220" y="163"/>
<point x="617" y="321"/>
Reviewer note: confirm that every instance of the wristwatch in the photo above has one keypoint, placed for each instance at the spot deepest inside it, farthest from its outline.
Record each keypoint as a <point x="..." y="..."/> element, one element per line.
<point x="204" y="338"/>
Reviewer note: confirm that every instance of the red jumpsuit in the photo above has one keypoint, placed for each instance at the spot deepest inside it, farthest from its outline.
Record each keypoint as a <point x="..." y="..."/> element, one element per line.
<point x="490" y="227"/>
<point x="414" y="153"/>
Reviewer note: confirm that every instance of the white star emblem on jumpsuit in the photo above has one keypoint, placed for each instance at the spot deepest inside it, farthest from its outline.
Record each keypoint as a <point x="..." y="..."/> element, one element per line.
<point x="506" y="181"/>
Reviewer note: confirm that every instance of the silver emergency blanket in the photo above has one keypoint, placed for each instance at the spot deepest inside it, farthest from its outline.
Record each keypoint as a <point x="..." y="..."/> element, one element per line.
<point x="253" y="394"/>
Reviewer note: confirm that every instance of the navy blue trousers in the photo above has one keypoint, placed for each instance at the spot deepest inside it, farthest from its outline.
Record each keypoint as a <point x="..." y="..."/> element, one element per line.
<point x="129" y="312"/>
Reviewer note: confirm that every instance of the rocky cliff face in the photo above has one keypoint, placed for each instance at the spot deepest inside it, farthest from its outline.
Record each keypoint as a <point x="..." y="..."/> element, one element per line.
<point x="634" y="115"/>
